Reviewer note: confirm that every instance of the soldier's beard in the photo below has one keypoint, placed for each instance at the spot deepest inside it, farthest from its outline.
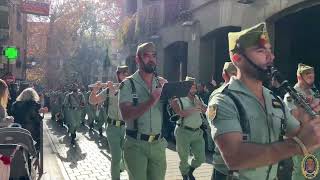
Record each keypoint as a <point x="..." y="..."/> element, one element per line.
<point x="148" y="68"/>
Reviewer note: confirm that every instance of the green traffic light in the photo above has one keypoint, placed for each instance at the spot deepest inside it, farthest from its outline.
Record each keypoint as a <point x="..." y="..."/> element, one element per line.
<point x="11" y="53"/>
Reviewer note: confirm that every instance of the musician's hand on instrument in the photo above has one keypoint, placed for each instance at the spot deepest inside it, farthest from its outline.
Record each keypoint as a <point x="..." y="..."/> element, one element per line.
<point x="301" y="115"/>
<point x="309" y="134"/>
<point x="162" y="81"/>
<point x="155" y="95"/>
<point x="97" y="86"/>
<point x="316" y="105"/>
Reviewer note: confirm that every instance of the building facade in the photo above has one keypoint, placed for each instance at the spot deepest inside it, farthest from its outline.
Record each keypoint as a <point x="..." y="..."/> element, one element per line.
<point x="13" y="32"/>
<point x="191" y="35"/>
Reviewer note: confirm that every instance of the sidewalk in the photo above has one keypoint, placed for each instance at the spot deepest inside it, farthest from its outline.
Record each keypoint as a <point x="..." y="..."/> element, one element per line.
<point x="90" y="159"/>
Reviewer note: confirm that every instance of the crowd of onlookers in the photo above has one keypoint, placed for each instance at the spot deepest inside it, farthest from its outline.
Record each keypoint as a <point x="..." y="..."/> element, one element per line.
<point x="21" y="106"/>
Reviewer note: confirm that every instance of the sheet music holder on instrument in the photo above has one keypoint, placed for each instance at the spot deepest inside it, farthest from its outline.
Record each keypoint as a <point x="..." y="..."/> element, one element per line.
<point x="175" y="89"/>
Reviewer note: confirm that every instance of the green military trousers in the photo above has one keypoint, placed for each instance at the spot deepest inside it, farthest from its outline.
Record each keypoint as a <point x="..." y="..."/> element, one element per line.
<point x="73" y="120"/>
<point x="145" y="160"/>
<point x="91" y="113"/>
<point x="115" y="136"/>
<point x="187" y="140"/>
<point x="100" y="119"/>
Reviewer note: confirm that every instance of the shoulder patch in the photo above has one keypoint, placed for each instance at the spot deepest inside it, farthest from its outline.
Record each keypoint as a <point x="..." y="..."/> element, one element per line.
<point x="212" y="112"/>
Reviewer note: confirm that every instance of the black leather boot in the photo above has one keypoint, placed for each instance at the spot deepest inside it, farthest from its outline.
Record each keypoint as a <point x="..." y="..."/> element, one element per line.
<point x="190" y="174"/>
<point x="100" y="132"/>
<point x="73" y="139"/>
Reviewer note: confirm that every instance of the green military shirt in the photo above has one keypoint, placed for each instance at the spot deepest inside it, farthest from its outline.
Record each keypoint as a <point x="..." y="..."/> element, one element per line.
<point x="151" y="121"/>
<point x="113" y="109"/>
<point x="194" y="120"/>
<point x="264" y="123"/>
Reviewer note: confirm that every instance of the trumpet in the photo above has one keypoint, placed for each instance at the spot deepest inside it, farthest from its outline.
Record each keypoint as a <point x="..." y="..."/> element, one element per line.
<point x="298" y="98"/>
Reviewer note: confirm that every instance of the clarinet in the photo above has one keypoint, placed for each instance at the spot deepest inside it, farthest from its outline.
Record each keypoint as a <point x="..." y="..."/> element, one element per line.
<point x="156" y="76"/>
<point x="298" y="98"/>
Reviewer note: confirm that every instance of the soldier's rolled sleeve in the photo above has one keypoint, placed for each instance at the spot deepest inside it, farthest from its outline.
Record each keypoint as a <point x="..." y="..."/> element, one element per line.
<point x="227" y="118"/>
<point x="125" y="94"/>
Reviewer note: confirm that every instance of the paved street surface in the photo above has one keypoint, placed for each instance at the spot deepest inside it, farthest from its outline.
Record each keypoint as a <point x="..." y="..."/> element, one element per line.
<point x="90" y="159"/>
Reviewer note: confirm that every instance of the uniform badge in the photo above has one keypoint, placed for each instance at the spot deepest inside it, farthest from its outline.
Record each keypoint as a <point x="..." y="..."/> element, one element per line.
<point x="276" y="103"/>
<point x="309" y="166"/>
<point x="212" y="112"/>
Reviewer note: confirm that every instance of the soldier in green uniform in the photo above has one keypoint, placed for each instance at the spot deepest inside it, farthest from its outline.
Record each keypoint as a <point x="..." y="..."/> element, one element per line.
<point x="73" y="103"/>
<point x="247" y="117"/>
<point x="139" y="95"/>
<point x="304" y="86"/>
<point x="116" y="129"/>
<point x="189" y="136"/>
<point x="228" y="71"/>
<point x="100" y="117"/>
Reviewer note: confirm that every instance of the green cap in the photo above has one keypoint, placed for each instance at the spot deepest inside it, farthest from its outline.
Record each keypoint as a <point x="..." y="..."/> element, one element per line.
<point x="254" y="36"/>
<point x="229" y="68"/>
<point x="303" y="68"/>
<point x="188" y="78"/>
<point x="146" y="47"/>
<point x="122" y="69"/>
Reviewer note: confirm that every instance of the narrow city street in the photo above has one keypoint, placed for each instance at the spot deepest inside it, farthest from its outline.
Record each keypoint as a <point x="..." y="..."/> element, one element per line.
<point x="90" y="159"/>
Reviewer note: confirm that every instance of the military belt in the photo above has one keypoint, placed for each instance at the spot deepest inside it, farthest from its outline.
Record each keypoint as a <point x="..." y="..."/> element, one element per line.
<point x="188" y="128"/>
<point x="115" y="122"/>
<point x="144" y="137"/>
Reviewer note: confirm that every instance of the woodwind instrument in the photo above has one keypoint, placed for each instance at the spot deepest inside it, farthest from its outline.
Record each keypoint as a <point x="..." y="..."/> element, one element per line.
<point x="298" y="98"/>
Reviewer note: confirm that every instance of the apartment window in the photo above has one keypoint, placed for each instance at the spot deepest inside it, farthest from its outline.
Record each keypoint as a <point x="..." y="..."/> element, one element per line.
<point x="19" y="26"/>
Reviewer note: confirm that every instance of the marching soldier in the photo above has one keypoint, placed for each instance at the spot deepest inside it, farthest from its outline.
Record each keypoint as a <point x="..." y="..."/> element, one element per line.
<point x="248" y="117"/>
<point x="116" y="129"/>
<point x="189" y="135"/>
<point x="304" y="86"/>
<point x="74" y="104"/>
<point x="139" y="95"/>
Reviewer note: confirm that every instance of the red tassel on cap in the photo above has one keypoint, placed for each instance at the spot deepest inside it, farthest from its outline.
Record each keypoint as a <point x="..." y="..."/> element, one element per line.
<point x="6" y="160"/>
<point x="235" y="57"/>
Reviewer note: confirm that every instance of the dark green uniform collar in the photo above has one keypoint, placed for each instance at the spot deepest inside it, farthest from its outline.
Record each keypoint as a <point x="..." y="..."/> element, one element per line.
<point x="237" y="85"/>
<point x="136" y="77"/>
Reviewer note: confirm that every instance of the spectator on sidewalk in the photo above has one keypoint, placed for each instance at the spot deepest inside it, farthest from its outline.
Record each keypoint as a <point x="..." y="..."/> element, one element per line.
<point x="26" y="111"/>
<point x="5" y="120"/>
